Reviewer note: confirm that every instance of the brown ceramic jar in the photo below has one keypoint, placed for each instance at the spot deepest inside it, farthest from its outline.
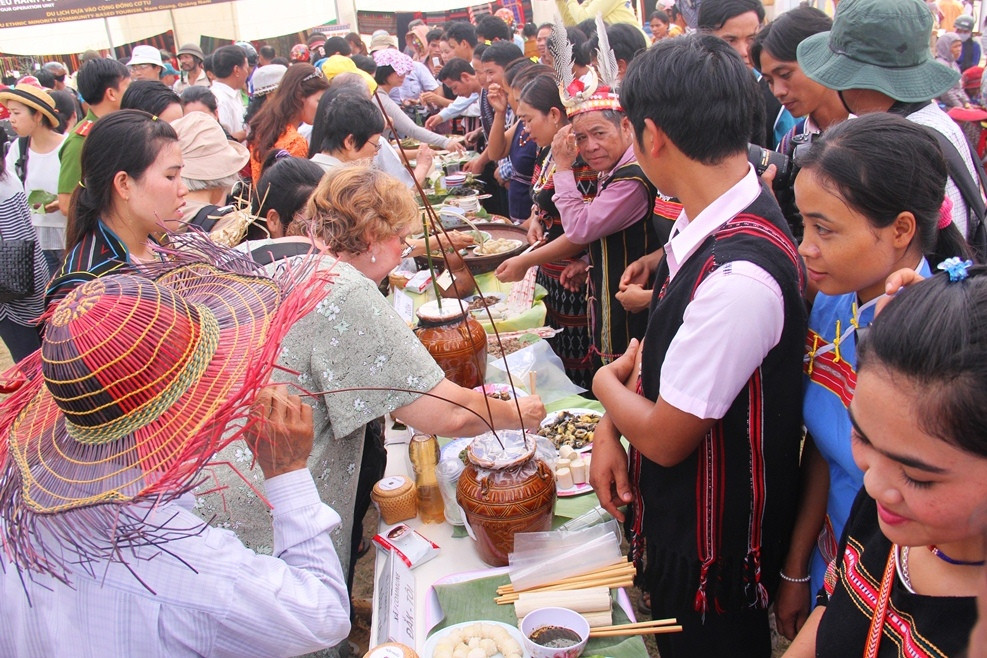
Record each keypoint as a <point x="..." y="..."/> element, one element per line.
<point x="504" y="496"/>
<point x="455" y="340"/>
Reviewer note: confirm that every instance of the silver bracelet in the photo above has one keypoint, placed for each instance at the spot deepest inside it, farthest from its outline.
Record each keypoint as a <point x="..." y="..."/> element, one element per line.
<point x="794" y="580"/>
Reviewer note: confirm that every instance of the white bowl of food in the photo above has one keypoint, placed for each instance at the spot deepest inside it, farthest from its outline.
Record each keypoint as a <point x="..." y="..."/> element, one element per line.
<point x="554" y="633"/>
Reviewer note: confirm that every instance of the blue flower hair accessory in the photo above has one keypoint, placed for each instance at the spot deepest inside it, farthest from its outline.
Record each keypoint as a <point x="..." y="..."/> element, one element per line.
<point x="956" y="268"/>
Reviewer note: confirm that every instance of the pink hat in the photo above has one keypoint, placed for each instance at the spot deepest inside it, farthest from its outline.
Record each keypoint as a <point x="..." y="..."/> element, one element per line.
<point x="397" y="60"/>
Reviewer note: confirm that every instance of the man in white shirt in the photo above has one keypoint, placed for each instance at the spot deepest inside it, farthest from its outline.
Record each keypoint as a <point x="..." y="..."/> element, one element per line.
<point x="230" y="69"/>
<point x="716" y="427"/>
<point x="102" y="553"/>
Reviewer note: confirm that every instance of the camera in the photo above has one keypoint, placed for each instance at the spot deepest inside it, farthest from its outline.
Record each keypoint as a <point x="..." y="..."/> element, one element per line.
<point x="787" y="164"/>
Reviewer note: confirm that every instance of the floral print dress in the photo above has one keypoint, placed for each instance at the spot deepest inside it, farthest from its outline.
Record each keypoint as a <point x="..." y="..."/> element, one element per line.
<point x="352" y="338"/>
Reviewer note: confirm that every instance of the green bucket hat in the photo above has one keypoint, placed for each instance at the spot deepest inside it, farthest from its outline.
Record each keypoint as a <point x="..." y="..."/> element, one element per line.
<point x="881" y="45"/>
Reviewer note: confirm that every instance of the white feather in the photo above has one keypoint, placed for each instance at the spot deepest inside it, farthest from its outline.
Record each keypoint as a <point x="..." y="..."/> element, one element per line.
<point x="606" y="61"/>
<point x="561" y="49"/>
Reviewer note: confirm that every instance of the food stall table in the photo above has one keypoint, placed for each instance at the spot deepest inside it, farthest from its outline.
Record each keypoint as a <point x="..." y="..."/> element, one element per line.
<point x="457" y="551"/>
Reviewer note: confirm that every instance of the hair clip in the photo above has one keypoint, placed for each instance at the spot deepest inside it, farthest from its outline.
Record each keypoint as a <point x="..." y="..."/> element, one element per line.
<point x="281" y="155"/>
<point x="956" y="268"/>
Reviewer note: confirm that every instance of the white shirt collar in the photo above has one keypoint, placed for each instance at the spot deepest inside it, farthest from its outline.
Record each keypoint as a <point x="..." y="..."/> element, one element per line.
<point x="688" y="236"/>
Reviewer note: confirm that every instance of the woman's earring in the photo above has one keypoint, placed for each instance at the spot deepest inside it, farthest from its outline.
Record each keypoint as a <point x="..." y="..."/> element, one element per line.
<point x="373" y="258"/>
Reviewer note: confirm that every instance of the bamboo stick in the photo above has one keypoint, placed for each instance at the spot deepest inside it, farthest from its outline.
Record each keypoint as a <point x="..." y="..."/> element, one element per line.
<point x="671" y="621"/>
<point x="637" y="631"/>
<point x="619" y="567"/>
<point x="611" y="583"/>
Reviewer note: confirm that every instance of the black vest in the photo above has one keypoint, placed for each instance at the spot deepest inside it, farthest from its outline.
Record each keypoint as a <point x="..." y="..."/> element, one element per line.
<point x="613" y="327"/>
<point x="719" y="533"/>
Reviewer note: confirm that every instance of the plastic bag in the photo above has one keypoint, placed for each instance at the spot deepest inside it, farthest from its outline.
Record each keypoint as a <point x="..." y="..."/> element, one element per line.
<point x="551" y="382"/>
<point x="545" y="557"/>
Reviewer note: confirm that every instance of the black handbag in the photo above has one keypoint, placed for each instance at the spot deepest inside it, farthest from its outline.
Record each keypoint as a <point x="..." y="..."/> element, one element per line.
<point x="16" y="269"/>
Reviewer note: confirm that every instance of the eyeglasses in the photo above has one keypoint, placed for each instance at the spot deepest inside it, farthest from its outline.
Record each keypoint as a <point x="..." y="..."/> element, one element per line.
<point x="377" y="144"/>
<point x="407" y="248"/>
<point x="140" y="67"/>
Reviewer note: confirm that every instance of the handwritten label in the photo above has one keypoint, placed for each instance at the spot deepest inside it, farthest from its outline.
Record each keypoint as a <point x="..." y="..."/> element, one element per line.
<point x="396" y="603"/>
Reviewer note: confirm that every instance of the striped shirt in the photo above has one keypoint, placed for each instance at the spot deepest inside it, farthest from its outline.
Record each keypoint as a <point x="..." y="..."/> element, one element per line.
<point x="15" y="224"/>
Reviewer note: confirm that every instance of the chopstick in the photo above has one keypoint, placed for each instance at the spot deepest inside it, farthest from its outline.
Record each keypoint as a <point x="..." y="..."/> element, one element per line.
<point x="656" y="627"/>
<point x="621" y="567"/>
<point x="658" y="630"/>
<point x="613" y="582"/>
<point x="533" y="245"/>
<point x="671" y="621"/>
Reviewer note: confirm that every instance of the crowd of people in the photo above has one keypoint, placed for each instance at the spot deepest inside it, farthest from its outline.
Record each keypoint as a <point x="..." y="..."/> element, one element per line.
<point x="761" y="244"/>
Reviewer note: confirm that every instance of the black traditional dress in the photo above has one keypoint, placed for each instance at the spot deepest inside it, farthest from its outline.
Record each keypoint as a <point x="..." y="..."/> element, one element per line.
<point x="914" y="625"/>
<point x="566" y="310"/>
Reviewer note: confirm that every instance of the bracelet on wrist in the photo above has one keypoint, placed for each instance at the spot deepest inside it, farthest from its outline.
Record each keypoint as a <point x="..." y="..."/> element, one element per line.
<point x="794" y="580"/>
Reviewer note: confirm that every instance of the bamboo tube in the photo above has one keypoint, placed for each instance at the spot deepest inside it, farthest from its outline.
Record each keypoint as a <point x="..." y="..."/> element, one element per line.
<point x="593" y="599"/>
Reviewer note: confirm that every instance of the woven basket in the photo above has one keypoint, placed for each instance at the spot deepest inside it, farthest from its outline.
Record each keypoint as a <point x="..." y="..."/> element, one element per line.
<point x="396" y="498"/>
<point x="16" y="270"/>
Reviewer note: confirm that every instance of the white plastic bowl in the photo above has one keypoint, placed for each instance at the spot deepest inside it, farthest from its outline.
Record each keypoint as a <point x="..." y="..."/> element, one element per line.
<point x="554" y="617"/>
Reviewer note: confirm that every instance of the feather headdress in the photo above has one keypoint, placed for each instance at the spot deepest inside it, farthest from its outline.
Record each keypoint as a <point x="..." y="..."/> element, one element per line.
<point x="597" y="90"/>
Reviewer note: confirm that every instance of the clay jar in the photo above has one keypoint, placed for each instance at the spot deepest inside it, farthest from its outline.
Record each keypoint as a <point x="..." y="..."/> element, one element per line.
<point x="455" y="340"/>
<point x="503" y="492"/>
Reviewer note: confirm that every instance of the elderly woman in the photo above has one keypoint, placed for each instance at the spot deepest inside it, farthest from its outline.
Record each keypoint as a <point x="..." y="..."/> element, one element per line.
<point x="354" y="338"/>
<point x="392" y="68"/>
<point x="211" y="166"/>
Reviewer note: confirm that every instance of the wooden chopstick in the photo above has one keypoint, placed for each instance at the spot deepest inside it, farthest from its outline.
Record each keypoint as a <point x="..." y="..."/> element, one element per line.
<point x="620" y="567"/>
<point x="612" y="583"/>
<point x="671" y="621"/>
<point x="656" y="630"/>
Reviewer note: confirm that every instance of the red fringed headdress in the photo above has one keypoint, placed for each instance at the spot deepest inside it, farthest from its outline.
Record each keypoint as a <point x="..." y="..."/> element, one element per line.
<point x="140" y="380"/>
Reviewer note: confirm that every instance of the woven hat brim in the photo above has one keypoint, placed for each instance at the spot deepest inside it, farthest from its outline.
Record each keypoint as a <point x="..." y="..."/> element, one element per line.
<point x="909" y="85"/>
<point x="29" y="100"/>
<point x="58" y="473"/>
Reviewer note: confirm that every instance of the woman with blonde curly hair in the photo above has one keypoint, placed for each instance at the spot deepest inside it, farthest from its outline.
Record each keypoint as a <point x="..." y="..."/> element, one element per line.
<point x="360" y="217"/>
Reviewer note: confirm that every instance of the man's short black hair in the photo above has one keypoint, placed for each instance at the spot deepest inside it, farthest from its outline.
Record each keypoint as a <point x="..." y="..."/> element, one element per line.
<point x="46" y="78"/>
<point x="625" y="39"/>
<point x="708" y="114"/>
<point x="433" y="35"/>
<point x="529" y="30"/>
<point x="714" y="13"/>
<point x="462" y="31"/>
<point x="454" y="70"/>
<point x="268" y="52"/>
<point x="225" y="59"/>
<point x="152" y="96"/>
<point x="501" y="53"/>
<point x="782" y="36"/>
<point x="337" y="46"/>
<point x="98" y="75"/>
<point x="491" y="28"/>
<point x="365" y="63"/>
<point x="350" y="115"/>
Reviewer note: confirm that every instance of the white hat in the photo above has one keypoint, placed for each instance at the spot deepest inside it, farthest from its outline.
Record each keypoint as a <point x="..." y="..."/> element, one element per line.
<point x="146" y="55"/>
<point x="267" y="78"/>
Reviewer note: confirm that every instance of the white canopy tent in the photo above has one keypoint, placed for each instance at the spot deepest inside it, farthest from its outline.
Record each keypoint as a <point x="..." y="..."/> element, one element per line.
<point x="247" y="20"/>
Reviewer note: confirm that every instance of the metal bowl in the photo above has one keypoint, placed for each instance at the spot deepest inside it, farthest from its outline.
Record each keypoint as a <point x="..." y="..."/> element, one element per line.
<point x="482" y="263"/>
